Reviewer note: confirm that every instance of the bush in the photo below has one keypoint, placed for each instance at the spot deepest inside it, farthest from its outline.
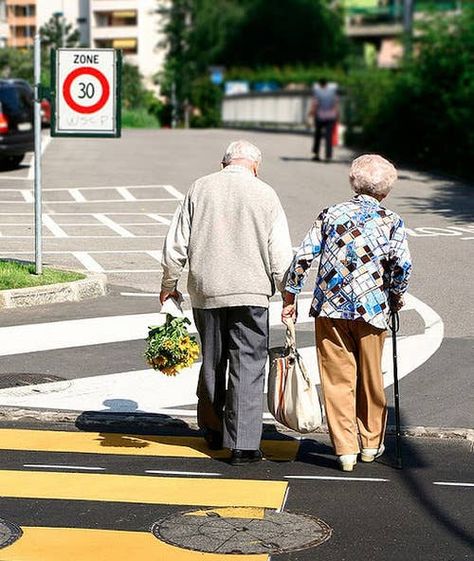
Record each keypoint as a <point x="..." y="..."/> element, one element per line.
<point x="423" y="113"/>
<point x="206" y="101"/>
<point x="139" y="118"/>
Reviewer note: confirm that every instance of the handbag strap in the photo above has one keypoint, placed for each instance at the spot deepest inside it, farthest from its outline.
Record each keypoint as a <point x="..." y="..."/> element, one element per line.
<point x="290" y="338"/>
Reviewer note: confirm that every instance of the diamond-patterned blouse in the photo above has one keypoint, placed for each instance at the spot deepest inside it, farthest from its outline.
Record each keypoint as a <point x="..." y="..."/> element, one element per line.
<point x="363" y="257"/>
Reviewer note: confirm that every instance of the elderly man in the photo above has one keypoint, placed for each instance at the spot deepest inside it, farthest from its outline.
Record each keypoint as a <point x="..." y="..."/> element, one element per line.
<point x="233" y="231"/>
<point x="363" y="272"/>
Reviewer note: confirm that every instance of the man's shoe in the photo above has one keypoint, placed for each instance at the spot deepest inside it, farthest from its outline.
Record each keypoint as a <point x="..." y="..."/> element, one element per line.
<point x="370" y="454"/>
<point x="316" y="158"/>
<point x="240" y="457"/>
<point x="347" y="461"/>
<point x="213" y="439"/>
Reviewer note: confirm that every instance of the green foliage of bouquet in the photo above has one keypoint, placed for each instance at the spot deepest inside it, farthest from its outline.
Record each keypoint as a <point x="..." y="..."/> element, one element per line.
<point x="170" y="348"/>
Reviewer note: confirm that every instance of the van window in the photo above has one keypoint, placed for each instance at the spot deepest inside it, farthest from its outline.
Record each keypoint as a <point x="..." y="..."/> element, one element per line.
<point x="15" y="100"/>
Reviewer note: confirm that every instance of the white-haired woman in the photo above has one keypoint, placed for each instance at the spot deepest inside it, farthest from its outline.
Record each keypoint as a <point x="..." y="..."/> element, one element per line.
<point x="363" y="272"/>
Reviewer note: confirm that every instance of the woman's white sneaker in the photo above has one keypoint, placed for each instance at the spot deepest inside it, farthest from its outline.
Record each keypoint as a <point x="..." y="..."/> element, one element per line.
<point x="347" y="461"/>
<point x="370" y="454"/>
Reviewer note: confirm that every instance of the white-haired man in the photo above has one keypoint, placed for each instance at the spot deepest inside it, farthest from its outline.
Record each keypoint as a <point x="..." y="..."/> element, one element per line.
<point x="364" y="267"/>
<point x="232" y="230"/>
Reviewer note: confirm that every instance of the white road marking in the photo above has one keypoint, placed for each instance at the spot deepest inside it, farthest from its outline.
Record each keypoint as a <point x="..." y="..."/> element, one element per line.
<point x="70" y="251"/>
<point x="156" y="255"/>
<point x="125" y="194"/>
<point x="47" y="466"/>
<point x="83" y="237"/>
<point x="453" y="484"/>
<point x="54" y="228"/>
<point x="99" y="188"/>
<point x="150" y="391"/>
<point x="77" y="195"/>
<point x="27" y="195"/>
<point x="168" y="472"/>
<point x="113" y="213"/>
<point x="141" y="294"/>
<point x="160" y="218"/>
<point x="113" y="225"/>
<point x="465" y="239"/>
<point x="45" y="142"/>
<point x="94" y="202"/>
<point x="337" y="478"/>
<point x="89" y="262"/>
<point x="174" y="192"/>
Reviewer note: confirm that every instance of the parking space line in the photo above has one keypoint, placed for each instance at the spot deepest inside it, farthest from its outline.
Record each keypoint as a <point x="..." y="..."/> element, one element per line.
<point x="89" y="262"/>
<point x="453" y="484"/>
<point x="27" y="195"/>
<point x="77" y="195"/>
<point x="113" y="225"/>
<point x="125" y="193"/>
<point x="172" y="191"/>
<point x="54" y="228"/>
<point x="160" y="219"/>
<point x="156" y="255"/>
<point x="101" y="201"/>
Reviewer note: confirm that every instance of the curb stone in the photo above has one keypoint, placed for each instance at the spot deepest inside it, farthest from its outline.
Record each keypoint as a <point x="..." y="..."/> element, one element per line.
<point x="92" y="286"/>
<point x="152" y="421"/>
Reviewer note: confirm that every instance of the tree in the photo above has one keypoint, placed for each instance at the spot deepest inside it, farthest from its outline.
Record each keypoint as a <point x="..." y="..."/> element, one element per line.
<point x="56" y="32"/>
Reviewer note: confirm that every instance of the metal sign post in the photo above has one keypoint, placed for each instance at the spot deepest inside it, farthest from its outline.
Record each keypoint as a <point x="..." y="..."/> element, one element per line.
<point x="86" y="92"/>
<point x="37" y="186"/>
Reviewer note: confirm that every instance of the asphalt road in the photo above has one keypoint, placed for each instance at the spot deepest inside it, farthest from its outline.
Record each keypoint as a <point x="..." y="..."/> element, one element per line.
<point x="108" y="204"/>
<point x="376" y="512"/>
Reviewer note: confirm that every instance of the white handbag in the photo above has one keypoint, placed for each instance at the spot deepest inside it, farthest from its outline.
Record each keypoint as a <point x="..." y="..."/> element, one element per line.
<point x="292" y="396"/>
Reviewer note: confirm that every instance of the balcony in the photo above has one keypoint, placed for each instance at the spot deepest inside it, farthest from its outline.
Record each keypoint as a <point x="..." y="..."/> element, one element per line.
<point x="370" y="18"/>
<point x="104" y="33"/>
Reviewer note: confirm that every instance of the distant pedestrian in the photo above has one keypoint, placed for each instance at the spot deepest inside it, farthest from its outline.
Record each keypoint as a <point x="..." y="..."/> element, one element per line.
<point x="325" y="112"/>
<point x="232" y="230"/>
<point x="363" y="271"/>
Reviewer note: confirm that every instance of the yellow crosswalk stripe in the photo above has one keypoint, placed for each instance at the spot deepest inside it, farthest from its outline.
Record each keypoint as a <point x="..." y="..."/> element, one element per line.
<point x="142" y="489"/>
<point x="74" y="544"/>
<point x="129" y="444"/>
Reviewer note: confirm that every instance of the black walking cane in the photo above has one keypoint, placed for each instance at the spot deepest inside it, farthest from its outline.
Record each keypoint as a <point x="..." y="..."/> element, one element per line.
<point x="394" y="327"/>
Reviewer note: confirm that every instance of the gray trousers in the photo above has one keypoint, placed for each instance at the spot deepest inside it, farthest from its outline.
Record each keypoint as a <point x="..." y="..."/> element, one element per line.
<point x="237" y="338"/>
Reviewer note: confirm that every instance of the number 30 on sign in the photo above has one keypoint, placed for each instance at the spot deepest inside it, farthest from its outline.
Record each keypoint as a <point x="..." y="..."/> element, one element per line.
<point x="86" y="92"/>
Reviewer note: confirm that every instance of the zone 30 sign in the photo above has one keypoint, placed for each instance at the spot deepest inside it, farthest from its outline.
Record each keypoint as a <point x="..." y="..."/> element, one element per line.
<point x="86" y="98"/>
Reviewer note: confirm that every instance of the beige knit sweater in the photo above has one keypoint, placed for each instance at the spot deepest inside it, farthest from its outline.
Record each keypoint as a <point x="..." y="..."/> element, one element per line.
<point x="233" y="231"/>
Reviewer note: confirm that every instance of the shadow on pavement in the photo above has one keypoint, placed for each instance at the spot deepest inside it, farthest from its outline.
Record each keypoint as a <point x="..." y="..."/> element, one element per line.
<point x="449" y="199"/>
<point x="421" y="489"/>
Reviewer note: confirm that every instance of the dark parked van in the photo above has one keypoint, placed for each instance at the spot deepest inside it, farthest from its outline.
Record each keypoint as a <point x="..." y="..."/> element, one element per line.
<point x="16" y="121"/>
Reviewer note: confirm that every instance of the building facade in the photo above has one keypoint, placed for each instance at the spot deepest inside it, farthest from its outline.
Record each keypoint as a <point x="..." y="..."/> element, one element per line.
<point x="4" y="29"/>
<point x="75" y="12"/>
<point x="21" y="21"/>
<point x="377" y="25"/>
<point x="133" y="26"/>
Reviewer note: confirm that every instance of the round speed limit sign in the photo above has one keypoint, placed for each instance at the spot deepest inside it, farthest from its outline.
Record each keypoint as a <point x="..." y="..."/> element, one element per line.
<point x="86" y="93"/>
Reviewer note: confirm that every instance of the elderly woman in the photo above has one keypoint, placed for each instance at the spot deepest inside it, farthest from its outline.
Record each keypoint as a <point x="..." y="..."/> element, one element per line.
<point x="363" y="271"/>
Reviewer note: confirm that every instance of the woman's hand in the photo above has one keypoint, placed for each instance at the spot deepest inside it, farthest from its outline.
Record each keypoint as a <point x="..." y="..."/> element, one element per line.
<point x="289" y="311"/>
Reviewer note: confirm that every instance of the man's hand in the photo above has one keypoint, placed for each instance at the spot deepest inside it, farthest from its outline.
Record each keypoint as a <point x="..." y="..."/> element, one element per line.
<point x="165" y="294"/>
<point x="396" y="302"/>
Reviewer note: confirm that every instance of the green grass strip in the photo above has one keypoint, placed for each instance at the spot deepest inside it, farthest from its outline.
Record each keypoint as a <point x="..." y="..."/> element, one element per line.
<point x="21" y="275"/>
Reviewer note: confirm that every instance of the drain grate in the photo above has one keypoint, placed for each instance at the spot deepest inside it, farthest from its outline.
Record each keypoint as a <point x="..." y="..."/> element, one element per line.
<point x="26" y="379"/>
<point x="242" y="531"/>
<point x="9" y="533"/>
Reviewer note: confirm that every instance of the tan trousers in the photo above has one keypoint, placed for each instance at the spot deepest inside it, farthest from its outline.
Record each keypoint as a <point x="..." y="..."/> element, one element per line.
<point x="350" y="366"/>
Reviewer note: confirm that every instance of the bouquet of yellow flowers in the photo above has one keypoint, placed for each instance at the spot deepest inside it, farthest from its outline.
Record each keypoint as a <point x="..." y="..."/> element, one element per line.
<point x="170" y="347"/>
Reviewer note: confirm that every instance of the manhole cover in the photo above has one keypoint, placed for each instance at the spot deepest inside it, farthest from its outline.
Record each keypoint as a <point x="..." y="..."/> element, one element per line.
<point x="27" y="379"/>
<point x="9" y="533"/>
<point x="241" y="530"/>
